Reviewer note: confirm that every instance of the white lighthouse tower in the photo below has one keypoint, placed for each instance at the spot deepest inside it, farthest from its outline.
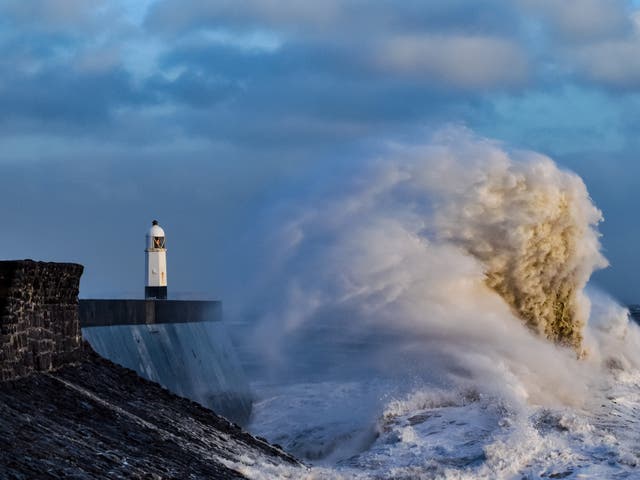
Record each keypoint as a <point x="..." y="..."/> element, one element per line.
<point x="156" y="263"/>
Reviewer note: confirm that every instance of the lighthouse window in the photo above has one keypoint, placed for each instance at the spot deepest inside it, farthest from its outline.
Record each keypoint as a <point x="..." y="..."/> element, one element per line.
<point x="158" y="242"/>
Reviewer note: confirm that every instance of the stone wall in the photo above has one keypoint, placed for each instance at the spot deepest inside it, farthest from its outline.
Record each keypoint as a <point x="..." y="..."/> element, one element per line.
<point x="39" y="326"/>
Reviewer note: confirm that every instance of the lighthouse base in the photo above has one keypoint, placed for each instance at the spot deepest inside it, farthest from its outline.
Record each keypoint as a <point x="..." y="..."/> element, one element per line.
<point x="159" y="293"/>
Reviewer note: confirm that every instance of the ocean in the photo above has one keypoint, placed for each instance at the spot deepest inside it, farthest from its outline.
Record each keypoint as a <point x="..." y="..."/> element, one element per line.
<point x="433" y="318"/>
<point x="416" y="424"/>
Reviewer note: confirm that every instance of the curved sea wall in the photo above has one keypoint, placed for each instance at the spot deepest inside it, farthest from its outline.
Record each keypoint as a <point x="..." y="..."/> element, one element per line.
<point x="195" y="360"/>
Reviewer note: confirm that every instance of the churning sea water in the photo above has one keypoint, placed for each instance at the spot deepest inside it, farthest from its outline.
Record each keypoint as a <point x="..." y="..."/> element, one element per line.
<point x="413" y="426"/>
<point x="431" y="319"/>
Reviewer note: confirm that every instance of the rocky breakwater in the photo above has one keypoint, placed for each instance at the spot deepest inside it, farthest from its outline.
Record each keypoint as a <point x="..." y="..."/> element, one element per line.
<point x="65" y="412"/>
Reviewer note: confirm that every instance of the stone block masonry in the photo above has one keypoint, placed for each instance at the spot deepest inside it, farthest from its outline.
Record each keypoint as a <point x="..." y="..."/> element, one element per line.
<point x="39" y="323"/>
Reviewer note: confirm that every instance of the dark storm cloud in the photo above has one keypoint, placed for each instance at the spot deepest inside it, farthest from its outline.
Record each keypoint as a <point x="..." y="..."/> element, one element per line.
<point x="317" y="76"/>
<point x="434" y="43"/>
<point x="296" y="96"/>
<point x="346" y="18"/>
<point x="68" y="16"/>
<point x="367" y="63"/>
<point x="206" y="110"/>
<point x="195" y="89"/>
<point x="57" y="95"/>
<point x="54" y="75"/>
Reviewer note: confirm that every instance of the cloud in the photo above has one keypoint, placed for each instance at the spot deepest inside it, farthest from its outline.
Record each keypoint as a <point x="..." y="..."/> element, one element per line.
<point x="292" y="86"/>
<point x="583" y="20"/>
<point x="612" y="63"/>
<point x="195" y="89"/>
<point x="341" y="69"/>
<point x="67" y="18"/>
<point x="449" y="43"/>
<point x="332" y="17"/>
<point x="462" y="61"/>
<point x="165" y="15"/>
<point x="64" y="97"/>
<point x="591" y="41"/>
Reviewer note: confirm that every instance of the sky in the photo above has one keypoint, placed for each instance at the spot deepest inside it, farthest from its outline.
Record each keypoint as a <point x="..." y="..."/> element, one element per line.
<point x="202" y="113"/>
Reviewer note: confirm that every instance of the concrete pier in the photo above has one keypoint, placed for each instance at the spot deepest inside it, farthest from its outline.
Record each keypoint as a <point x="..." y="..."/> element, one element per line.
<point x="102" y="313"/>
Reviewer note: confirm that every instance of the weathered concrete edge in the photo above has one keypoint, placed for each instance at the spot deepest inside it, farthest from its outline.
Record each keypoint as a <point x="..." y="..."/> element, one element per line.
<point x="107" y="312"/>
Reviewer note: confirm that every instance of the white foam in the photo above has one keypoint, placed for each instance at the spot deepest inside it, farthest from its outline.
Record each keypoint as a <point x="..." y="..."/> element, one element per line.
<point x="423" y="368"/>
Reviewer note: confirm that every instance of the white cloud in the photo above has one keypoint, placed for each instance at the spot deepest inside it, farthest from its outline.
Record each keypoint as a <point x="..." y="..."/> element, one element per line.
<point x="461" y="61"/>
<point x="593" y="40"/>
<point x="580" y="20"/>
<point x="252" y="40"/>
<point x="615" y="63"/>
<point x="172" y="16"/>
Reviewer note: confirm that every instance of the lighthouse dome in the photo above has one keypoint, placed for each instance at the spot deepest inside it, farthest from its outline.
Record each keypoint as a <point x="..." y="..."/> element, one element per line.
<point x="156" y="231"/>
<point x="155" y="236"/>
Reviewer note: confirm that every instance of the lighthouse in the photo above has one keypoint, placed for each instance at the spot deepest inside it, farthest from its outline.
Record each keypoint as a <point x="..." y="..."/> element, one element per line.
<point x="156" y="263"/>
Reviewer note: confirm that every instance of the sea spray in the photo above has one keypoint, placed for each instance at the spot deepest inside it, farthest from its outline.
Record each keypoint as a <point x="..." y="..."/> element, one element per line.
<point x="533" y="227"/>
<point x="453" y="251"/>
<point x="417" y="300"/>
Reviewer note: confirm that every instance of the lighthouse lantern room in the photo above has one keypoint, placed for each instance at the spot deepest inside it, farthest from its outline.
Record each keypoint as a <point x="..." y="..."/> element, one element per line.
<point x="156" y="263"/>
